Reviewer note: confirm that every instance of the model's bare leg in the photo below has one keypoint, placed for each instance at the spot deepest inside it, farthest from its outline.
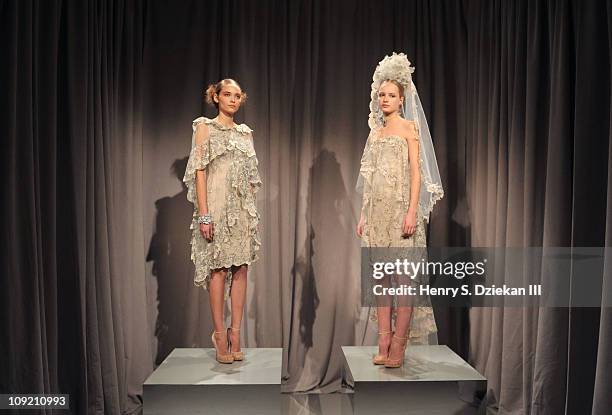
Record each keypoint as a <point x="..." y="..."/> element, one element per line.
<point x="403" y="318"/>
<point x="402" y="330"/>
<point x="238" y="296"/>
<point x="216" y="291"/>
<point x="384" y="320"/>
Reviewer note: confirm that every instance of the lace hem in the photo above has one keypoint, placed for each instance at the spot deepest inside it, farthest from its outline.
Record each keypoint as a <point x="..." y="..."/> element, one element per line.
<point x="202" y="279"/>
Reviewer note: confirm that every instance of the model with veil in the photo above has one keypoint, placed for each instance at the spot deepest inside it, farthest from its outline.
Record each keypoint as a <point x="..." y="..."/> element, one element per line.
<point x="222" y="179"/>
<point x="400" y="182"/>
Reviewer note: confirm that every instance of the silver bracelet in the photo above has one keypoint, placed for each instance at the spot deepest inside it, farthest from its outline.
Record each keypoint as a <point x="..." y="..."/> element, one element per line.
<point x="205" y="219"/>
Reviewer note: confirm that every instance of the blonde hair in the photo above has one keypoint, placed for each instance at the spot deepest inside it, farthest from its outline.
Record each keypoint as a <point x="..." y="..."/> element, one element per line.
<point x="215" y="89"/>
<point x="396" y="83"/>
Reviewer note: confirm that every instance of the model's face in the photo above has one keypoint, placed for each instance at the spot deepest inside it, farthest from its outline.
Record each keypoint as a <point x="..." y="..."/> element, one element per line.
<point x="229" y="99"/>
<point x="389" y="98"/>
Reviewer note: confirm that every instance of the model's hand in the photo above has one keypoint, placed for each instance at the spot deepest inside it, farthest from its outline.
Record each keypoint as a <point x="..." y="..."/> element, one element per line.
<point x="207" y="231"/>
<point x="409" y="225"/>
<point x="360" y="227"/>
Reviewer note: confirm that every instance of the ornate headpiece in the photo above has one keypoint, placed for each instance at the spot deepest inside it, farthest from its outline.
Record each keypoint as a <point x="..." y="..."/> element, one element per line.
<point x="395" y="68"/>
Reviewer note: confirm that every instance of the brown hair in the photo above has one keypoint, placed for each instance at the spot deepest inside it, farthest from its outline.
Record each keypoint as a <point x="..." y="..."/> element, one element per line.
<point x="213" y="89"/>
<point x="396" y="83"/>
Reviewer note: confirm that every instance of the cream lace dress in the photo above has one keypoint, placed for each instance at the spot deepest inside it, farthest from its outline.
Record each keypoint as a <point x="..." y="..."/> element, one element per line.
<point x="232" y="180"/>
<point x="385" y="171"/>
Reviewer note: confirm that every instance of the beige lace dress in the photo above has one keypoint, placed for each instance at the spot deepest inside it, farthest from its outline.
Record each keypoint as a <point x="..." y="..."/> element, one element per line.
<point x="385" y="171"/>
<point x="232" y="180"/>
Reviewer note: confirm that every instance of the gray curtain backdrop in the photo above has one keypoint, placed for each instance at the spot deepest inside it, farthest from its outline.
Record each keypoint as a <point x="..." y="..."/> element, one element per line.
<point x="98" y="99"/>
<point x="538" y="174"/>
<point x="73" y="293"/>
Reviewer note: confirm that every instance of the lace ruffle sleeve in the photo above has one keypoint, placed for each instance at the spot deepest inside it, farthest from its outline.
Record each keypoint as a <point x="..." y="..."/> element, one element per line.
<point x="253" y="170"/>
<point x="199" y="159"/>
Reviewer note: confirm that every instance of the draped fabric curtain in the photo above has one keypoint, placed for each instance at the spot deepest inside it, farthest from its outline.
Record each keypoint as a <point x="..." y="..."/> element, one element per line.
<point x="96" y="114"/>
<point x="538" y="174"/>
<point x="73" y="296"/>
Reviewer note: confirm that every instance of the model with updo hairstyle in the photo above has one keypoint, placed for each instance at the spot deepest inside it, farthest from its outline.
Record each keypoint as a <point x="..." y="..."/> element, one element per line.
<point x="215" y="89"/>
<point x="222" y="180"/>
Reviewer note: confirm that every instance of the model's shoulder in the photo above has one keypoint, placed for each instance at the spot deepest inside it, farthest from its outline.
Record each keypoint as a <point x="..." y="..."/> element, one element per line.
<point x="201" y="122"/>
<point x="407" y="124"/>
<point x="200" y="128"/>
<point x="409" y="129"/>
<point x="244" y="129"/>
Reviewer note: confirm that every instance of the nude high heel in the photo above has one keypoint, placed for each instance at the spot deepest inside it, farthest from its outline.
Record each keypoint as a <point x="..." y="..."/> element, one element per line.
<point x="238" y="356"/>
<point x="396" y="363"/>
<point x="380" y="359"/>
<point x="221" y="358"/>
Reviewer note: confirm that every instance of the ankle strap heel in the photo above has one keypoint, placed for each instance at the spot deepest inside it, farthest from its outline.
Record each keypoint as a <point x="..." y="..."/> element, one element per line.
<point x="238" y="356"/>
<point x="380" y="359"/>
<point x="221" y="358"/>
<point x="397" y="363"/>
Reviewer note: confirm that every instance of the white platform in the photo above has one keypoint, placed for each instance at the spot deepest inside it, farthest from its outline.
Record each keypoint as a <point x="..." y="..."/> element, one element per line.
<point x="433" y="380"/>
<point x="191" y="381"/>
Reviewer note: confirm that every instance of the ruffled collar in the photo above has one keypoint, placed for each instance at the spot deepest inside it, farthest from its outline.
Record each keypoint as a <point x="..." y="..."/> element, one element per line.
<point x="241" y="128"/>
